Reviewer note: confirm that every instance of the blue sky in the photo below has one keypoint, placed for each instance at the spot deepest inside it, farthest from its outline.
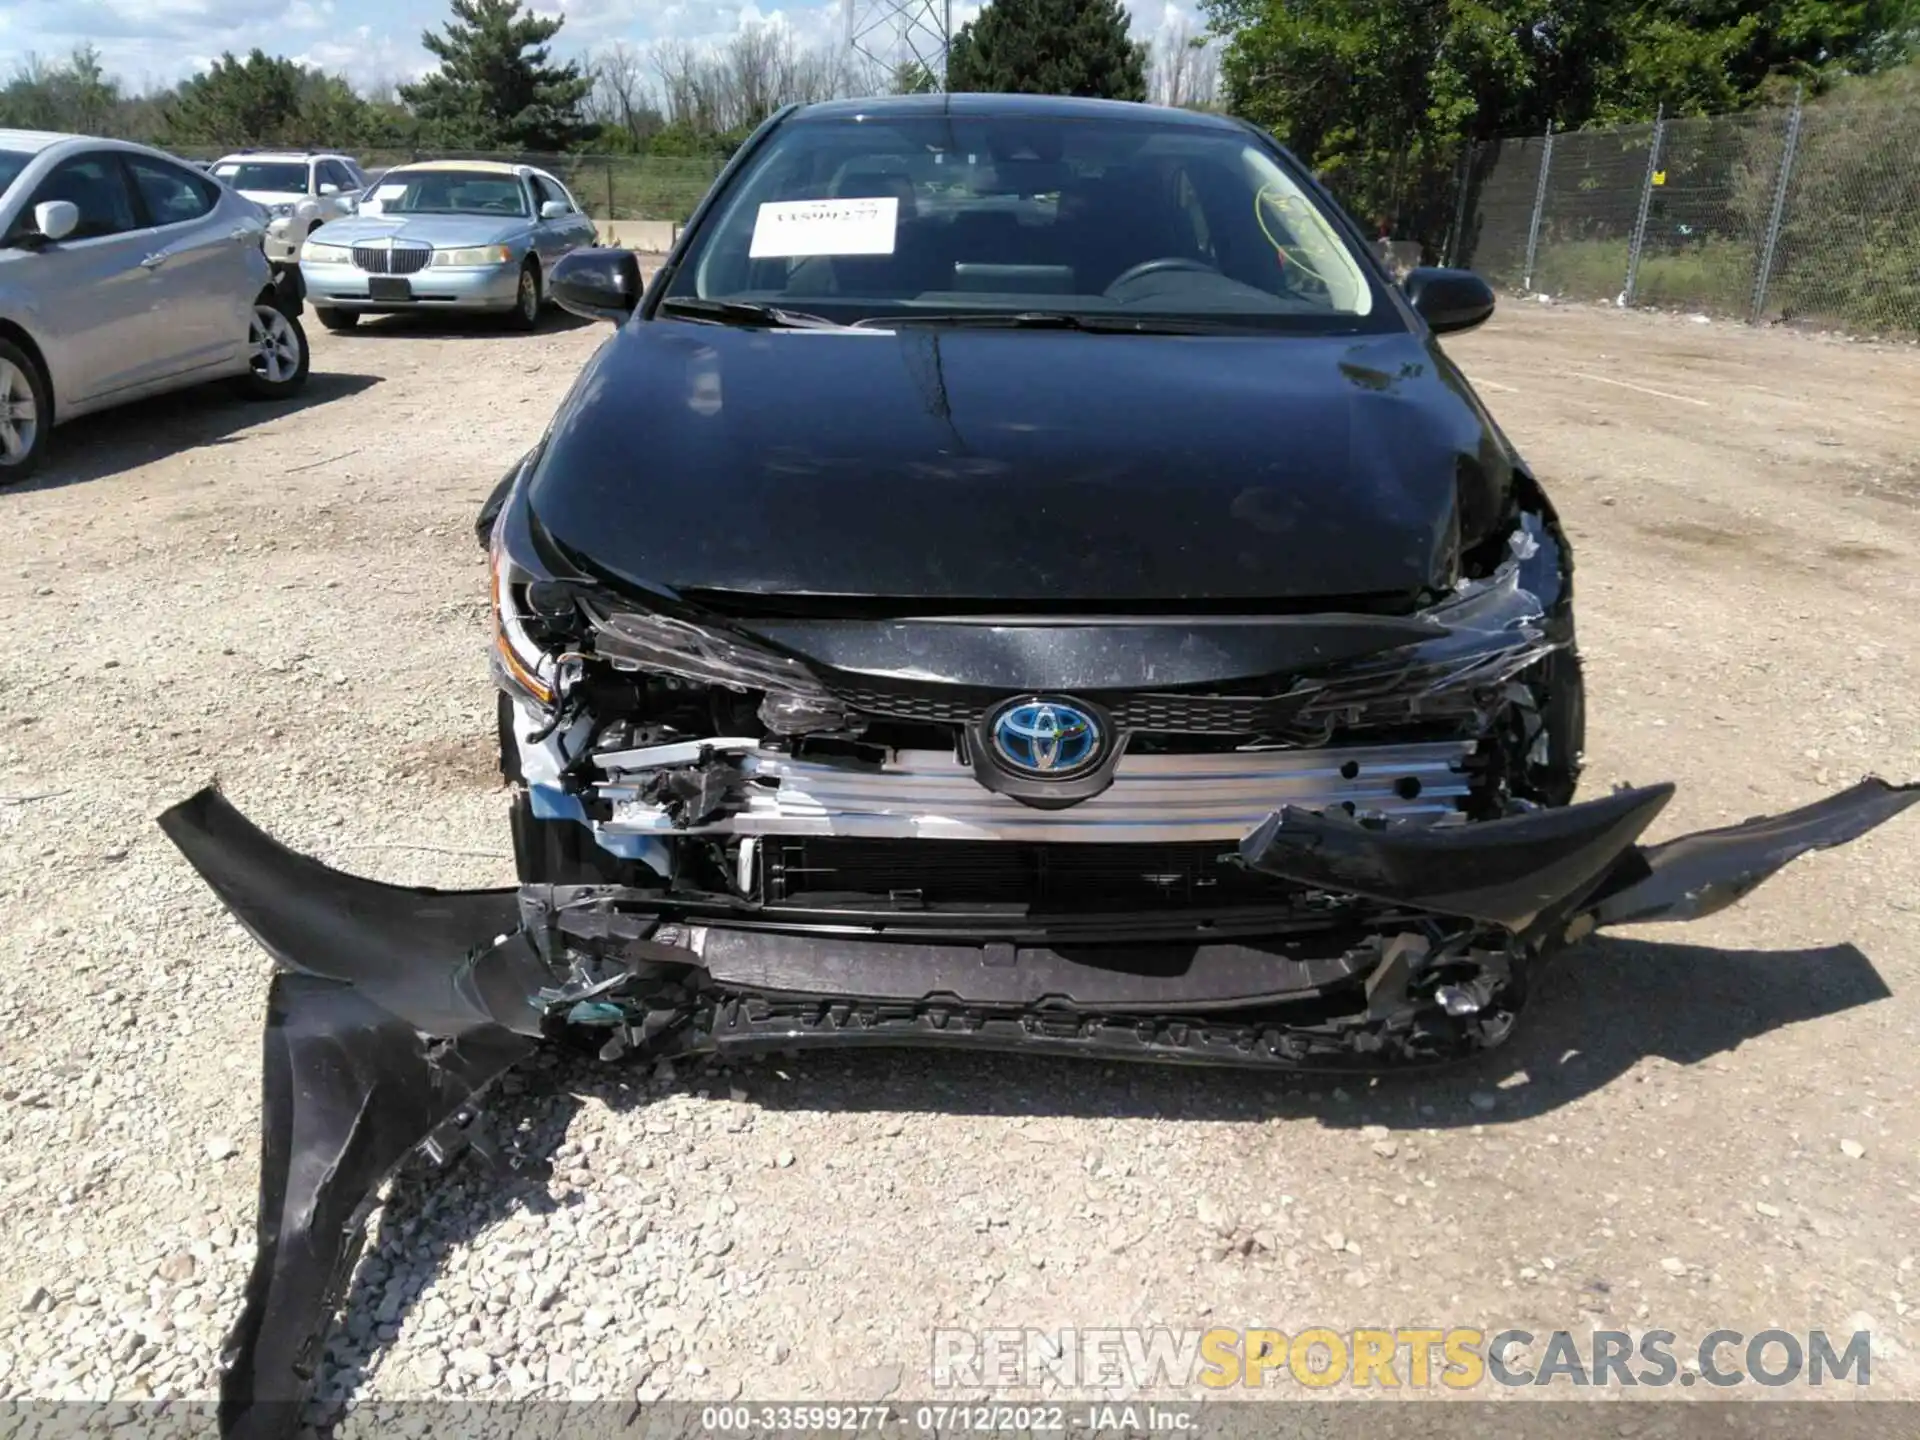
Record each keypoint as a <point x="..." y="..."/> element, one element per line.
<point x="156" y="42"/>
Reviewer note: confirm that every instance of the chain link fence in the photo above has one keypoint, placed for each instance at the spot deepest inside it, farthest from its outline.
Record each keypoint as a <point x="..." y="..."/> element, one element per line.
<point x="1807" y="214"/>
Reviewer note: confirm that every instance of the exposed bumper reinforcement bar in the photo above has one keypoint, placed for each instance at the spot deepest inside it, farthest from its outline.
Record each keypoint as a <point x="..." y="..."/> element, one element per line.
<point x="397" y="1007"/>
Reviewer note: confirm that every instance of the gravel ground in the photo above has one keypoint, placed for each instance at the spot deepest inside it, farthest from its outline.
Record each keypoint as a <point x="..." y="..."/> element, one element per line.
<point x="1705" y="1127"/>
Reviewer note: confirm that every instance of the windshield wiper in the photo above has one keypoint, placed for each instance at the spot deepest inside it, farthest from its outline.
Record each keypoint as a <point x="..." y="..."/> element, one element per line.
<point x="744" y="312"/>
<point x="1060" y="320"/>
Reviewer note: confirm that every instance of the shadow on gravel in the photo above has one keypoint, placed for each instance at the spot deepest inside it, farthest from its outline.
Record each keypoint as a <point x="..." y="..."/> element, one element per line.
<point x="1596" y="1011"/>
<point x="449" y="325"/>
<point x="100" y="445"/>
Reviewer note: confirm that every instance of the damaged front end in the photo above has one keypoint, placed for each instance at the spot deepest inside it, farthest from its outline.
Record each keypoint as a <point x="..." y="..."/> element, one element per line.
<point x="1321" y="841"/>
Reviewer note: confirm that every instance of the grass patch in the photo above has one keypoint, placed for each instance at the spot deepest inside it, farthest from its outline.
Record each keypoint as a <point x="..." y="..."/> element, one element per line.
<point x="1709" y="274"/>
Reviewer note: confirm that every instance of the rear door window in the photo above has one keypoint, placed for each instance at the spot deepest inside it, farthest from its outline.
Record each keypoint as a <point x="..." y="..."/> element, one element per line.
<point x="171" y="194"/>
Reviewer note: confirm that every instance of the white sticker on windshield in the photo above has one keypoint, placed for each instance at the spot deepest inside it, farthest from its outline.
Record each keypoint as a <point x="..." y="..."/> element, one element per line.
<point x="389" y="192"/>
<point x="794" y="228"/>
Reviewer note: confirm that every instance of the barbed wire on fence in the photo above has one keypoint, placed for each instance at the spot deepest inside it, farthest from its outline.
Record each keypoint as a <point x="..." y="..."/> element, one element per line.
<point x="1805" y="214"/>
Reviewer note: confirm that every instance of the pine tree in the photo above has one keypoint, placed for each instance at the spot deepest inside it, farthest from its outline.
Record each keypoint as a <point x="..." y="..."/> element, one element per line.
<point x="495" y="88"/>
<point x="1049" y="47"/>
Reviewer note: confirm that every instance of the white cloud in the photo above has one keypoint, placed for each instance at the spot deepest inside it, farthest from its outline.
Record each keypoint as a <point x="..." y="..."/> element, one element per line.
<point x="157" y="42"/>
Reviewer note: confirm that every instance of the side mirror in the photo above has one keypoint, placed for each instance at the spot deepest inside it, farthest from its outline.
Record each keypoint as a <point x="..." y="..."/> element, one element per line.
<point x="1449" y="300"/>
<point x="329" y="189"/>
<point x="554" y="210"/>
<point x="597" y="284"/>
<point x="56" y="219"/>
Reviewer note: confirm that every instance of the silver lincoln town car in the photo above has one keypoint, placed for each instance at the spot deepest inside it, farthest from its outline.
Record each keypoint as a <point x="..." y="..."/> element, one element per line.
<point x="445" y="235"/>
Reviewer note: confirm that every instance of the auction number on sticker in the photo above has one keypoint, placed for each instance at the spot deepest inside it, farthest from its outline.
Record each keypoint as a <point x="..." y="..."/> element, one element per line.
<point x="744" y="1419"/>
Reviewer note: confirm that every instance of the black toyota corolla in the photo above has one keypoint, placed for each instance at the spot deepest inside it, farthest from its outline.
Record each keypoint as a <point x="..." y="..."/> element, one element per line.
<point x="1022" y="576"/>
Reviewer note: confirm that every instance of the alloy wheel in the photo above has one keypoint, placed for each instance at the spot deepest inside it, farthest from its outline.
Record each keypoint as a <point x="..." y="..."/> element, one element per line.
<point x="276" y="351"/>
<point x="19" y="416"/>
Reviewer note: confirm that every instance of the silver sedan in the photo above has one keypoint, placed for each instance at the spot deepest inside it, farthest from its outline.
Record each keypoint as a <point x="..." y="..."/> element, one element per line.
<point x="125" y="272"/>
<point x="445" y="235"/>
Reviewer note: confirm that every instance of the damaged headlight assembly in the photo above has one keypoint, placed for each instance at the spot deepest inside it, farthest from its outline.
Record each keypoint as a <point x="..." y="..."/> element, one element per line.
<point x="580" y="623"/>
<point x="794" y="700"/>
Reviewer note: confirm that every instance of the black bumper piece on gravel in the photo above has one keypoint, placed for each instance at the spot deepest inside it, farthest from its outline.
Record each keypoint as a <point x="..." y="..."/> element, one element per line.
<point x="397" y="1007"/>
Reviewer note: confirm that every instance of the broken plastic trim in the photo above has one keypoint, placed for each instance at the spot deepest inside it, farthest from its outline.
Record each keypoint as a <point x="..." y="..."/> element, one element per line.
<point x="1505" y="872"/>
<point x="1577" y="863"/>
<point x="397" y="1007"/>
<point x="348" y="1091"/>
<point x="1700" y="874"/>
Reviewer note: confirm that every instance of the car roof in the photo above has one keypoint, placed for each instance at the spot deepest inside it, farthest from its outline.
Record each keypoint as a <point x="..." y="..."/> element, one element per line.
<point x="478" y="167"/>
<point x="1063" y="107"/>
<point x="282" y="155"/>
<point x="32" y="141"/>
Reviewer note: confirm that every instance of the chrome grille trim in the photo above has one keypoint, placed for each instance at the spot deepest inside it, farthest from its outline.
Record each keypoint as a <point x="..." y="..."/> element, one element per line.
<point x="397" y="259"/>
<point x="929" y="794"/>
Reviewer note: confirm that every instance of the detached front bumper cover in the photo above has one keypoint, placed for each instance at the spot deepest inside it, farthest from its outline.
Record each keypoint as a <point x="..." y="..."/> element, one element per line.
<point x="397" y="1007"/>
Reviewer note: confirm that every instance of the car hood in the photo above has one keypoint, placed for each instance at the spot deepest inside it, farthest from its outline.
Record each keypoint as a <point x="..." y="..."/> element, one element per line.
<point x="1019" y="465"/>
<point x="442" y="230"/>
<point x="274" y="197"/>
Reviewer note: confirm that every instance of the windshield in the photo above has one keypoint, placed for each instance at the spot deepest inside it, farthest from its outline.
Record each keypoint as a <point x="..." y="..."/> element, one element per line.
<point x="450" y="192"/>
<point x="854" y="219"/>
<point x="288" y="177"/>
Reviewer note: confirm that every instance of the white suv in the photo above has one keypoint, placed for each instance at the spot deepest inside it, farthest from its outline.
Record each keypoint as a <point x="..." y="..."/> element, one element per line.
<point x="301" y="191"/>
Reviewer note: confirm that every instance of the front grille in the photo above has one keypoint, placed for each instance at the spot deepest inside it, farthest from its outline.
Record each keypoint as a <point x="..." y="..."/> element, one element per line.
<point x="400" y="260"/>
<point x="1165" y="714"/>
<point x="1038" y="879"/>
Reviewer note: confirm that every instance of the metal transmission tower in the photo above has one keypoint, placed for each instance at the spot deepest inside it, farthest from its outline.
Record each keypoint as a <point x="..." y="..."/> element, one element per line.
<point x="892" y="33"/>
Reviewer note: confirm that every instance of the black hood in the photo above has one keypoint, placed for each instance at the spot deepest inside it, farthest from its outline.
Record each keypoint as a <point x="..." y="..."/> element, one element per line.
<point x="1015" y="465"/>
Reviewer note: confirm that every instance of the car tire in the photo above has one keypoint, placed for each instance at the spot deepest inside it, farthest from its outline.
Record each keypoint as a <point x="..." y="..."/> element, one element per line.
<point x="336" y="320"/>
<point x="277" y="353"/>
<point x="527" y="299"/>
<point x="26" y="414"/>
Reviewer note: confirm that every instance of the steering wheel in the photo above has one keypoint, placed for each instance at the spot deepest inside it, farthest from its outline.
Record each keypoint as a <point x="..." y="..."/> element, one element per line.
<point x="1158" y="266"/>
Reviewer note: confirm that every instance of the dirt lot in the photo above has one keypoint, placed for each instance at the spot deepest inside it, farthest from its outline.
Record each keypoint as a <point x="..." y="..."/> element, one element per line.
<point x="1715" y="1127"/>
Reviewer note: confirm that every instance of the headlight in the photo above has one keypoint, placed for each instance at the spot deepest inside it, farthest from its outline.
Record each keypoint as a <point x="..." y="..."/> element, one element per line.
<point x="525" y="664"/>
<point x="280" y="211"/>
<point x="473" y="256"/>
<point x="636" y="640"/>
<point x="316" y="253"/>
<point x="794" y="702"/>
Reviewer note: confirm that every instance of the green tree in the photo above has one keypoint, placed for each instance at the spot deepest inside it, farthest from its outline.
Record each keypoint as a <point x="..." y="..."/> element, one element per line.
<point x="1381" y="96"/>
<point x="496" y="87"/>
<point x="1049" y="47"/>
<point x="910" y="77"/>
<point x="238" y="102"/>
<point x="75" y="95"/>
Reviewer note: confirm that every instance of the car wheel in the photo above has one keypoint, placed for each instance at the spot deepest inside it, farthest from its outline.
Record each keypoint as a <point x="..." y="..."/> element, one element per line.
<point x="278" y="356"/>
<point x="26" y="414"/>
<point x="337" y="320"/>
<point x="527" y="299"/>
